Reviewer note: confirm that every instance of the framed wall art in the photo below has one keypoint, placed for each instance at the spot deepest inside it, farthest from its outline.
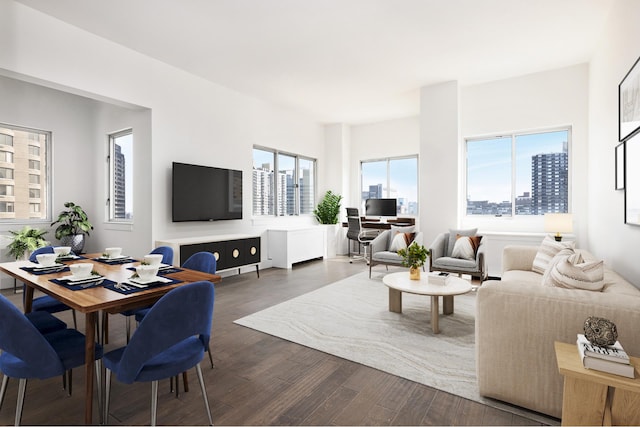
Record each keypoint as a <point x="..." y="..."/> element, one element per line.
<point x="632" y="180"/>
<point x="629" y="103"/>
<point x="620" y="166"/>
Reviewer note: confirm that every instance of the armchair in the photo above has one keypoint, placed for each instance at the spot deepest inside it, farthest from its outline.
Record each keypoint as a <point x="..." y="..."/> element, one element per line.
<point x="442" y="257"/>
<point x="383" y="251"/>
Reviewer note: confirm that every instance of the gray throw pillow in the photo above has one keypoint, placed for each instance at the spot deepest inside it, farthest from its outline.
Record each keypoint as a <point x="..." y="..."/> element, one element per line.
<point x="453" y="235"/>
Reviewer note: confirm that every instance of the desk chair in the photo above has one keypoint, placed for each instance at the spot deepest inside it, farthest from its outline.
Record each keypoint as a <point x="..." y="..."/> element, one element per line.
<point x="356" y="233"/>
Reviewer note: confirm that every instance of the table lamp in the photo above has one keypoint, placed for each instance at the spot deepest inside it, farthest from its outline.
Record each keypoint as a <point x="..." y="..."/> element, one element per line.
<point x="558" y="223"/>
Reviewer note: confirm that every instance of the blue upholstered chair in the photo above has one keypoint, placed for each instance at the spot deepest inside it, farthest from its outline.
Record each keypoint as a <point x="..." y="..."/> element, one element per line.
<point x="27" y="353"/>
<point x="170" y="339"/>
<point x="46" y="302"/>
<point x="167" y="258"/>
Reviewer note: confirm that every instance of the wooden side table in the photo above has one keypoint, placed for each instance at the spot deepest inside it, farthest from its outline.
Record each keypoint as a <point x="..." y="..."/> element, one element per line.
<point x="593" y="397"/>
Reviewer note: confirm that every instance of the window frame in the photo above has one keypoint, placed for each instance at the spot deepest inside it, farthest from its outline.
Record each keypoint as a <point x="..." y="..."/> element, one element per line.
<point x="111" y="191"/>
<point x="296" y="177"/>
<point x="513" y="136"/>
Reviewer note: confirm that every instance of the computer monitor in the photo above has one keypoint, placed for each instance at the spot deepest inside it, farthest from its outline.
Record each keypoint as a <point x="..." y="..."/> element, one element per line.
<point x="381" y="207"/>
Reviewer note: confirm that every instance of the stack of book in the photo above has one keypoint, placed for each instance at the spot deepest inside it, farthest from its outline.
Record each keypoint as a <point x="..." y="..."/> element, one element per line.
<point x="612" y="359"/>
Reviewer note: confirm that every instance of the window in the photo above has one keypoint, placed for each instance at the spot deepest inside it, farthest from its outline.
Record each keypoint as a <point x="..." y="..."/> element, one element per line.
<point x="518" y="174"/>
<point x="34" y="208"/>
<point x="34" y="179"/>
<point x="34" y="193"/>
<point x="121" y="176"/>
<point x="6" y="156"/>
<point x="34" y="150"/>
<point x="6" y="190"/>
<point x="34" y="164"/>
<point x="391" y="178"/>
<point x="6" y="173"/>
<point x="290" y="190"/>
<point x="6" y="206"/>
<point x="6" y="139"/>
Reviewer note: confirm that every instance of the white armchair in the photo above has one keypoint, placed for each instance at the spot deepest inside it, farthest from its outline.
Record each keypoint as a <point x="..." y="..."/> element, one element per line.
<point x="441" y="258"/>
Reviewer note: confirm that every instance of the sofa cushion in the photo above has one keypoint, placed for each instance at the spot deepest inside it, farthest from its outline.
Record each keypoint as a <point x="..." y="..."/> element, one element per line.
<point x="457" y="264"/>
<point x="547" y="250"/>
<point x="453" y="236"/>
<point x="567" y="270"/>
<point x="466" y="247"/>
<point x="522" y="277"/>
<point x="401" y="241"/>
<point x="387" y="257"/>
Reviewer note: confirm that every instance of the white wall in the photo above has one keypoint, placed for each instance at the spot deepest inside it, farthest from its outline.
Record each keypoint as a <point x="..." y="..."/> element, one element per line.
<point x="608" y="236"/>
<point x="192" y="120"/>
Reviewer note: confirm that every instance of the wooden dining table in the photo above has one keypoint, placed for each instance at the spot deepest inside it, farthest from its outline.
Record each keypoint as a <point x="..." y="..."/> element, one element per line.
<point x="95" y="300"/>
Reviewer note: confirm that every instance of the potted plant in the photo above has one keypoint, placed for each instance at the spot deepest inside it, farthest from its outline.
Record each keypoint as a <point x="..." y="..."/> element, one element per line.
<point x="25" y="241"/>
<point x="73" y="224"/>
<point x="414" y="257"/>
<point x="328" y="209"/>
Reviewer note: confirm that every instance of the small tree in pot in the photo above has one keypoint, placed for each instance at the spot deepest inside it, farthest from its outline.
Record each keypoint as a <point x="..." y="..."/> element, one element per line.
<point x="25" y="241"/>
<point x="73" y="224"/>
<point x="414" y="257"/>
<point x="328" y="209"/>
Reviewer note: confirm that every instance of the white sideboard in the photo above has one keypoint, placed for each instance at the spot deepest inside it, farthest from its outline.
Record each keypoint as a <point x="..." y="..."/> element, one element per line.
<point x="288" y="246"/>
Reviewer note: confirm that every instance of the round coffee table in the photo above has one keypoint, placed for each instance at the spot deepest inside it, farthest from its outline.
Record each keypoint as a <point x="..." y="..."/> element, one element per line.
<point x="400" y="282"/>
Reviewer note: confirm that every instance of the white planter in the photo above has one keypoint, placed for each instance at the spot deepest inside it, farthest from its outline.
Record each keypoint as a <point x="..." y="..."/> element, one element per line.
<point x="332" y="238"/>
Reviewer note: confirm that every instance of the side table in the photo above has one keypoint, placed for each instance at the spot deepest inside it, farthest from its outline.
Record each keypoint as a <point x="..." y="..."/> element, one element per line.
<point x="593" y="397"/>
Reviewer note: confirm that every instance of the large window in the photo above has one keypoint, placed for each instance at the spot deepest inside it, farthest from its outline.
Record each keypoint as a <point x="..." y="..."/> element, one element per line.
<point x="25" y="154"/>
<point x="283" y="183"/>
<point x="121" y="176"/>
<point x="391" y="178"/>
<point x="518" y="174"/>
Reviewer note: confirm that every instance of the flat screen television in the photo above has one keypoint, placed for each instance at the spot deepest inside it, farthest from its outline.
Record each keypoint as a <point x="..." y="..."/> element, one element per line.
<point x="205" y="193"/>
<point x="380" y="207"/>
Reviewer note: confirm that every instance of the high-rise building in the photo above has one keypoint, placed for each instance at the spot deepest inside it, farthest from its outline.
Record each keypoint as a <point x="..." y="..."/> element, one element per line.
<point x="119" y="181"/>
<point x="549" y="183"/>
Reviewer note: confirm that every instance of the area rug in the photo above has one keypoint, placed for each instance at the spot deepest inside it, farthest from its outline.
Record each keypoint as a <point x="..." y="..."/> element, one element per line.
<point x="350" y="319"/>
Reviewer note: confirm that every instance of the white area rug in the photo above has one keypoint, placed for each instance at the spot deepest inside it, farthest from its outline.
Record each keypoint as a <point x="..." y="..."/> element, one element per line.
<point x="350" y="319"/>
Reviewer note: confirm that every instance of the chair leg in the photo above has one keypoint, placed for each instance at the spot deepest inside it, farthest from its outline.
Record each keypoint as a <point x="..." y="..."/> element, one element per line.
<point x="22" y="387"/>
<point x="3" y="389"/>
<point x="204" y="393"/>
<point x="70" y="381"/>
<point x="210" y="358"/>
<point x="127" y="322"/>
<point x="107" y="395"/>
<point x="185" y="381"/>
<point x="154" y="401"/>
<point x="75" y="321"/>
<point x="98" y="368"/>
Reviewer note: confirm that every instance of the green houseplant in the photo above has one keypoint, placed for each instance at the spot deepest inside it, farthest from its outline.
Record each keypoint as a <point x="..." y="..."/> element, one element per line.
<point x="73" y="225"/>
<point x="26" y="241"/>
<point x="328" y="209"/>
<point x="414" y="257"/>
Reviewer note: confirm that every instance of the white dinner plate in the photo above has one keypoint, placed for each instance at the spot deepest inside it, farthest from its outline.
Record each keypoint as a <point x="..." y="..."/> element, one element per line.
<point x="106" y="258"/>
<point x="74" y="279"/>
<point x="38" y="267"/>
<point x="138" y="282"/>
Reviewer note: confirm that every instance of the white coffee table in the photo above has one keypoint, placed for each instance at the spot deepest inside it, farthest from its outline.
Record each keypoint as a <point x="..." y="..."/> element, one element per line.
<point x="400" y="282"/>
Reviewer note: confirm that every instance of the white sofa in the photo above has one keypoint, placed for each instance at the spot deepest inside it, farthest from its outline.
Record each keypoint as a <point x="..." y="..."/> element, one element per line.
<point x="518" y="320"/>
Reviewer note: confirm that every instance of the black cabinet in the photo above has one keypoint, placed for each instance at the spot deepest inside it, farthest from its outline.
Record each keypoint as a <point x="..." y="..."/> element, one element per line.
<point x="229" y="253"/>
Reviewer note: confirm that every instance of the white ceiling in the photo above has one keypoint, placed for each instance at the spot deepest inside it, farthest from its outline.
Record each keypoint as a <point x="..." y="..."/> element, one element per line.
<point x="348" y="61"/>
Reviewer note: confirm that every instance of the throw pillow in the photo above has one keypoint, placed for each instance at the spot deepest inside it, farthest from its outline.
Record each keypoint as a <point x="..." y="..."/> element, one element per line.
<point x="401" y="241"/>
<point x="466" y="247"/>
<point x="453" y="237"/>
<point x="566" y="270"/>
<point x="547" y="250"/>
<point x="395" y="230"/>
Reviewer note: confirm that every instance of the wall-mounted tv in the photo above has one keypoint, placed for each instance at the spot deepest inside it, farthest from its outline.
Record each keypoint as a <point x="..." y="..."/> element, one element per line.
<point x="380" y="207"/>
<point x="205" y="193"/>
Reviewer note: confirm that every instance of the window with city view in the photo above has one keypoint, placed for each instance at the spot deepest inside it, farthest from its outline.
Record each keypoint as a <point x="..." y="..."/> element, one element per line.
<point x="24" y="175"/>
<point x="290" y="190"/>
<point x="518" y="174"/>
<point x="121" y="176"/>
<point x="393" y="178"/>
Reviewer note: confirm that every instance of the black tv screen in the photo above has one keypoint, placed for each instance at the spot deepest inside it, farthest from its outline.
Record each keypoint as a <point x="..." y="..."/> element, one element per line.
<point x="204" y="193"/>
<point x="380" y="207"/>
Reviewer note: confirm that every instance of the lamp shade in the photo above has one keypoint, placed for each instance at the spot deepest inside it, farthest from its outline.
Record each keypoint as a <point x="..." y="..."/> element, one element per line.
<point x="558" y="222"/>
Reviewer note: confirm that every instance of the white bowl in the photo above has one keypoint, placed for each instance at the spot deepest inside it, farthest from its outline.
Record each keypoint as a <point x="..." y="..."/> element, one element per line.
<point x="81" y="269"/>
<point x="113" y="252"/>
<point x="153" y="259"/>
<point x="46" y="260"/>
<point x="62" y="250"/>
<point x="146" y="272"/>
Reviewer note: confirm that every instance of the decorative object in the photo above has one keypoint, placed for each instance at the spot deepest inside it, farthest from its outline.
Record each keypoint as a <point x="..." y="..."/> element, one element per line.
<point x="414" y="257"/>
<point x="73" y="225"/>
<point x="26" y="241"/>
<point x="558" y="223"/>
<point x="600" y="331"/>
<point x="328" y="209"/>
<point x="632" y="181"/>
<point x="629" y="103"/>
<point x="620" y="166"/>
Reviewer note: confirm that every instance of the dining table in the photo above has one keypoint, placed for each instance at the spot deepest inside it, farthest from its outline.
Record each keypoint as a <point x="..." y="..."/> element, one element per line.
<point x="100" y="297"/>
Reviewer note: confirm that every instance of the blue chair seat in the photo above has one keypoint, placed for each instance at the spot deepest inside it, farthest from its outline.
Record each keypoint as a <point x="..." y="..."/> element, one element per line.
<point x="49" y="304"/>
<point x="45" y="322"/>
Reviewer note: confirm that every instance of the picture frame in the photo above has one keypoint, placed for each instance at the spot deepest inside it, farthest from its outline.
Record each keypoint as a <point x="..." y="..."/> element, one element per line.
<point x="632" y="180"/>
<point x="629" y="103"/>
<point x="619" y="155"/>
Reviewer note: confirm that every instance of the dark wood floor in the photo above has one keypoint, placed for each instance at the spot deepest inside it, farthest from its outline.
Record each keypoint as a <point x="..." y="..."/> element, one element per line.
<point x="262" y="380"/>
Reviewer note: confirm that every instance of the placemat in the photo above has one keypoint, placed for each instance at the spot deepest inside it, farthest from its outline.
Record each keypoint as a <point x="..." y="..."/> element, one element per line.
<point x="133" y="289"/>
<point x="33" y="270"/>
<point x="115" y="261"/>
<point x="162" y="271"/>
<point x="103" y="282"/>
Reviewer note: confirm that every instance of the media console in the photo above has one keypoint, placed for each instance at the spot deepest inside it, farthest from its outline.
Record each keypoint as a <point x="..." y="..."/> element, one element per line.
<point x="231" y="250"/>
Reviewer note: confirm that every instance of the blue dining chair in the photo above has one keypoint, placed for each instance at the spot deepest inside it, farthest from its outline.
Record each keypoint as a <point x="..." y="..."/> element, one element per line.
<point x="27" y="353"/>
<point x="46" y="302"/>
<point x="171" y="338"/>
<point x="167" y="258"/>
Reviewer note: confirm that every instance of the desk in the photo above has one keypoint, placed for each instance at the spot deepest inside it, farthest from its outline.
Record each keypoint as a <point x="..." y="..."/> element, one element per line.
<point x="379" y="225"/>
<point x="93" y="300"/>
<point x="593" y="397"/>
